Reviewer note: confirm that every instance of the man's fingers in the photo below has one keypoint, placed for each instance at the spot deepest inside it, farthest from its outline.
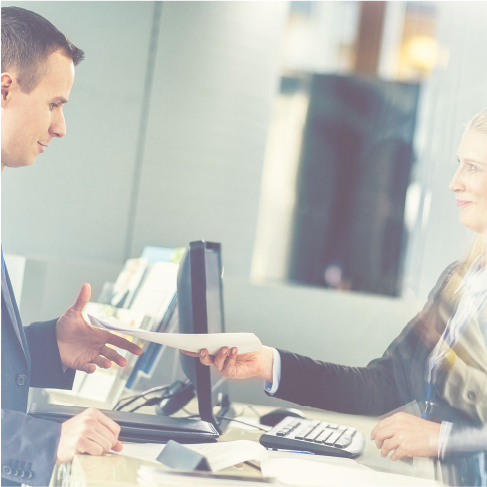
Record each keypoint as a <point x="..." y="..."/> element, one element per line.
<point x="83" y="298"/>
<point x="88" y="368"/>
<point x="102" y="362"/>
<point x="112" y="355"/>
<point x="89" y="446"/>
<point x="124" y="344"/>
<point x="100" y="428"/>
<point x="102" y="437"/>
<point x="88" y="432"/>
<point x="117" y="446"/>
<point x="108" y="423"/>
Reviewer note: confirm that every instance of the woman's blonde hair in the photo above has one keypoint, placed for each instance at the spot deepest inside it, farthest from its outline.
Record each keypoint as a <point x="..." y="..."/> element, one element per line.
<point x="478" y="122"/>
<point x="478" y="246"/>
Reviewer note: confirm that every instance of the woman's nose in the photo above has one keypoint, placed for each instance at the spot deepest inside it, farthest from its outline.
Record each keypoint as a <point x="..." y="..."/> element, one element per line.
<point x="457" y="184"/>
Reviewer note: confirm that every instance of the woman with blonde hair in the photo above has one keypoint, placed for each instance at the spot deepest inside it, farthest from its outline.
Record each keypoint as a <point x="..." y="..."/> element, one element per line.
<point x="474" y="133"/>
<point x="439" y="360"/>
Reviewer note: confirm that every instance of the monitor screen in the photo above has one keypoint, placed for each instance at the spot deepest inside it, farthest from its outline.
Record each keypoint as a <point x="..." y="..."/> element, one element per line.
<point x="200" y="308"/>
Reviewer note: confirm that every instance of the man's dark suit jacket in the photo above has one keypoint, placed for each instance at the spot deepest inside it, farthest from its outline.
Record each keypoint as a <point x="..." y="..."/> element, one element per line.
<point x="30" y="358"/>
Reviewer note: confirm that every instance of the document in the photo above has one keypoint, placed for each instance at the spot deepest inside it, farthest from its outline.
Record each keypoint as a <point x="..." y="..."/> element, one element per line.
<point x="245" y="342"/>
<point x="307" y="473"/>
<point x="155" y="477"/>
<point x="218" y="455"/>
<point x="227" y="453"/>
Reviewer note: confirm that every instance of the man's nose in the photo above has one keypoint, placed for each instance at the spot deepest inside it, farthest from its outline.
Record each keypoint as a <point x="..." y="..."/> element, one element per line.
<point x="58" y="126"/>
<point x="457" y="184"/>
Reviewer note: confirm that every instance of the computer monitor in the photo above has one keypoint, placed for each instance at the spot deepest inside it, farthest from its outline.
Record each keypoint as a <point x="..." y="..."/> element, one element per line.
<point x="200" y="309"/>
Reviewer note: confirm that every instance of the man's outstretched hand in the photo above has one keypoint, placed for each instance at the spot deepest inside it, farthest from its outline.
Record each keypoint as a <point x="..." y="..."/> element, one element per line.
<point x="82" y="346"/>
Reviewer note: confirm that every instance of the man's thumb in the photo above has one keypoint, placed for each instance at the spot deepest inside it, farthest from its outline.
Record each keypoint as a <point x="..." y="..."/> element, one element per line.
<point x="83" y="298"/>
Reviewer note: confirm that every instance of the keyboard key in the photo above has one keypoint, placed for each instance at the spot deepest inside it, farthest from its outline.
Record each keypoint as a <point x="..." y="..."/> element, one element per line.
<point x="344" y="441"/>
<point x="323" y="435"/>
<point x="282" y="433"/>
<point x="306" y="429"/>
<point x="333" y="426"/>
<point x="332" y="438"/>
<point x="301" y="435"/>
<point x="313" y="434"/>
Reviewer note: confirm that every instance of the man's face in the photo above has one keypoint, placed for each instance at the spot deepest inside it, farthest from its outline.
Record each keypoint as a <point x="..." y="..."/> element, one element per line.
<point x="31" y="120"/>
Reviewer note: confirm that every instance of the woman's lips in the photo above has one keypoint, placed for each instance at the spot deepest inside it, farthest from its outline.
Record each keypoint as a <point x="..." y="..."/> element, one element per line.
<point x="461" y="203"/>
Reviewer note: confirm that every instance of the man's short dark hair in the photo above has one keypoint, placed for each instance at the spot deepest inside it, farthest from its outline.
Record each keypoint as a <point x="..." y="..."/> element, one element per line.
<point x="27" y="41"/>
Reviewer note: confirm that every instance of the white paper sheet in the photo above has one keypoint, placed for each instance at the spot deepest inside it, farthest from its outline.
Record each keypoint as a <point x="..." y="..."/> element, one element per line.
<point x="306" y="473"/>
<point x="219" y="455"/>
<point x="141" y="451"/>
<point x="227" y="453"/>
<point x="245" y="342"/>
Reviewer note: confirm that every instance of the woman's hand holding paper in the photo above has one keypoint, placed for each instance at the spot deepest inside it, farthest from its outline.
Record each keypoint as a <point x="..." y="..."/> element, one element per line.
<point x="234" y="366"/>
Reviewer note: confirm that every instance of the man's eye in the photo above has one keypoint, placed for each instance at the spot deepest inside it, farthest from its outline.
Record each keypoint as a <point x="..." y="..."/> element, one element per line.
<point x="52" y="106"/>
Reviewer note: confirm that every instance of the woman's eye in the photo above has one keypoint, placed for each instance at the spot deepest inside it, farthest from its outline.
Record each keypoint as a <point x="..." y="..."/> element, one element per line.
<point x="471" y="167"/>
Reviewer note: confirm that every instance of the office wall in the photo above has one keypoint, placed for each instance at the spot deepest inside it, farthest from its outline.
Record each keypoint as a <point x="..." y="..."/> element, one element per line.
<point x="72" y="202"/>
<point x="70" y="209"/>
<point x="214" y="83"/>
<point x="213" y="87"/>
<point x="196" y="170"/>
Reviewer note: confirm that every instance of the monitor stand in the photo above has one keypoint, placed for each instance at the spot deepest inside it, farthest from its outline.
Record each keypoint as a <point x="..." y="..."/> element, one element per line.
<point x="224" y="408"/>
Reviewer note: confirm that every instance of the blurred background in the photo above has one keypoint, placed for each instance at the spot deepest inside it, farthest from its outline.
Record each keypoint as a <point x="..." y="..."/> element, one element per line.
<point x="314" y="140"/>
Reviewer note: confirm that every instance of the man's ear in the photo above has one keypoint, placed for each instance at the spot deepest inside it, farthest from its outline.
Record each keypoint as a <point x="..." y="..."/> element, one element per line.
<point x="6" y="84"/>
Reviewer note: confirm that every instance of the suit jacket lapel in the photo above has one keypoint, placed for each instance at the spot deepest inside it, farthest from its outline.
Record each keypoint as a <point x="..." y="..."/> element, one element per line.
<point x="13" y="312"/>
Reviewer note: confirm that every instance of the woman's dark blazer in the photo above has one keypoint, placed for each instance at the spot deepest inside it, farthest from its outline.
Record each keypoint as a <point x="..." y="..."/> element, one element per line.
<point x="399" y="376"/>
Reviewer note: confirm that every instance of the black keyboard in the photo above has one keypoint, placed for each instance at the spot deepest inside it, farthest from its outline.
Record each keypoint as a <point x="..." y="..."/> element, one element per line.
<point x="313" y="436"/>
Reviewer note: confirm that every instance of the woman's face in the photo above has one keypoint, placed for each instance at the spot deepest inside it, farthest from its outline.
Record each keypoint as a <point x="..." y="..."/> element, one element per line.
<point x="470" y="181"/>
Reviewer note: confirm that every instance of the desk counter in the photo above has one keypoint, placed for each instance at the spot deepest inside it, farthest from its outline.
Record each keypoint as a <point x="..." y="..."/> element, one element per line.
<point x="117" y="470"/>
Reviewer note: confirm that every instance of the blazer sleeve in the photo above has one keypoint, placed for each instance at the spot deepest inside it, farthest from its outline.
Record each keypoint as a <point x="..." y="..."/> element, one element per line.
<point x="29" y="448"/>
<point x="383" y="385"/>
<point x="465" y="438"/>
<point x="46" y="365"/>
